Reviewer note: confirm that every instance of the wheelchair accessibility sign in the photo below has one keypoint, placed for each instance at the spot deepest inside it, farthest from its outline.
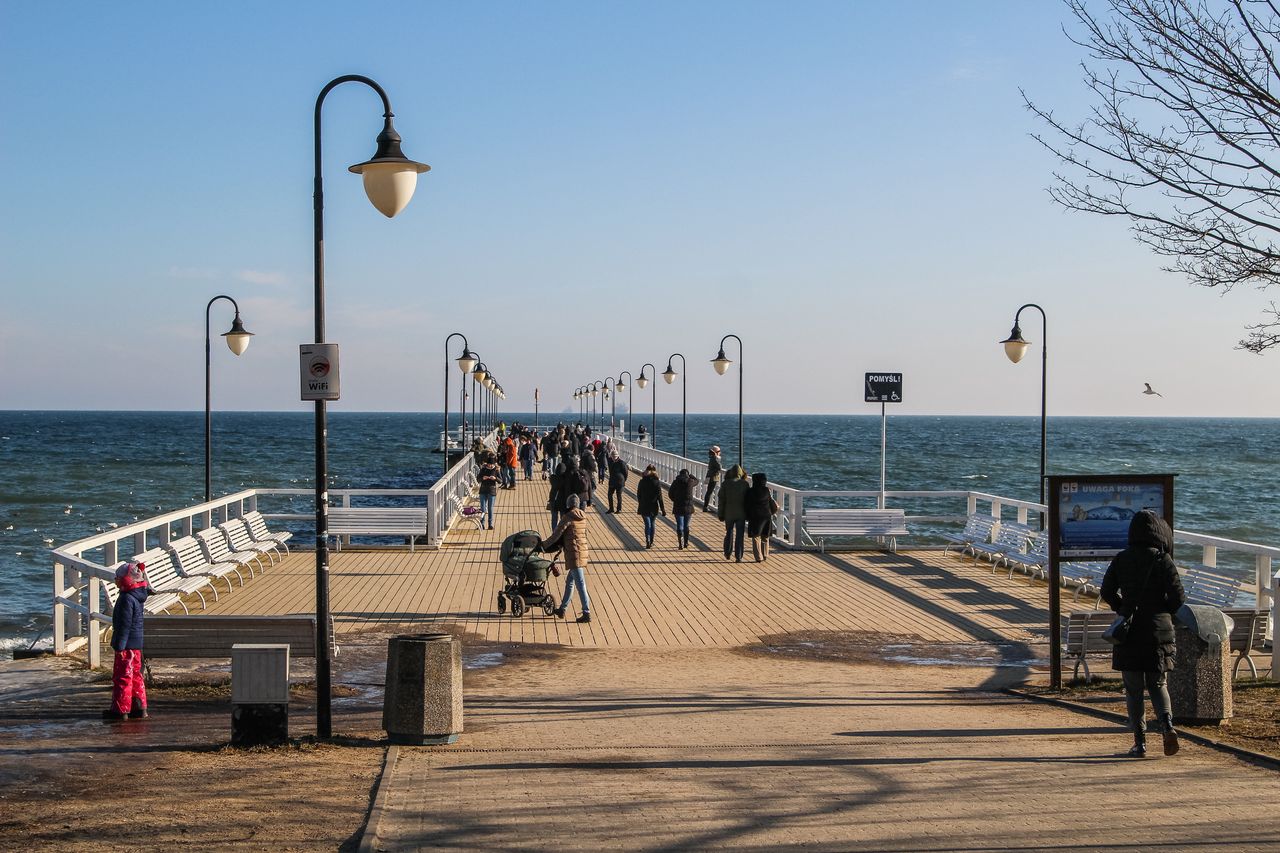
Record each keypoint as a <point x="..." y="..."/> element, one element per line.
<point x="884" y="388"/>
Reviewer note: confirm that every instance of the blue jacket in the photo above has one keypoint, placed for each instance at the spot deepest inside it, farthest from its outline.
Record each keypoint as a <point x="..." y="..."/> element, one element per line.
<point x="126" y="619"/>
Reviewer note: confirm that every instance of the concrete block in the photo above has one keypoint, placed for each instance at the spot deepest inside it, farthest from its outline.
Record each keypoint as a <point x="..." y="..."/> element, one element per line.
<point x="423" y="699"/>
<point x="1200" y="683"/>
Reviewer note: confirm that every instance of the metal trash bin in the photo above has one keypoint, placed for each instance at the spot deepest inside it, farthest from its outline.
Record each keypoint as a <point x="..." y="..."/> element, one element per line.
<point x="1200" y="683"/>
<point x="422" y="703"/>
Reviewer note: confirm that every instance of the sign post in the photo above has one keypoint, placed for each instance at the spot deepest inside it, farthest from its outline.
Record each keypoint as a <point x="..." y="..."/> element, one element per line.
<point x="1089" y="516"/>
<point x="883" y="388"/>
<point x="318" y="370"/>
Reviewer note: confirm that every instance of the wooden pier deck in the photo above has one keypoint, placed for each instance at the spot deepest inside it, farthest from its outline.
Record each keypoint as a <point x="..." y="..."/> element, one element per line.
<point x="662" y="597"/>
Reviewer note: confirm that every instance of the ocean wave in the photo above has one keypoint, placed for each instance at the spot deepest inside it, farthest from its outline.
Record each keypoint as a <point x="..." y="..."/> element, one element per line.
<point x="973" y="476"/>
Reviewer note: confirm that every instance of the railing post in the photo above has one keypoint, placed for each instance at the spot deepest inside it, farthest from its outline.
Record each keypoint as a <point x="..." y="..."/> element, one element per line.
<point x="1209" y="556"/>
<point x="997" y="509"/>
<point x="59" y="609"/>
<point x="1261" y="586"/>
<point x="74" y="625"/>
<point x="972" y="504"/>
<point x="94" y="626"/>
<point x="139" y="542"/>
<point x="797" y="513"/>
<point x="346" y="537"/>
<point x="1022" y="515"/>
<point x="433" y="523"/>
<point x="1275" y="625"/>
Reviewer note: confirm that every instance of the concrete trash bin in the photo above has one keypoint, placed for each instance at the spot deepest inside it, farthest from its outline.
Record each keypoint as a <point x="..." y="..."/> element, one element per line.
<point x="423" y="699"/>
<point x="1200" y="683"/>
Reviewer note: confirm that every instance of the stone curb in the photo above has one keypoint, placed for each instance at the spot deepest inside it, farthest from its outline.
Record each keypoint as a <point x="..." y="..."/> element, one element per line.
<point x="1271" y="762"/>
<point x="369" y="838"/>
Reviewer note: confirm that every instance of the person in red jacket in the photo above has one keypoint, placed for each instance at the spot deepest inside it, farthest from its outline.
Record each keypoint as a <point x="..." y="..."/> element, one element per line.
<point x="510" y="459"/>
<point x="128" y="693"/>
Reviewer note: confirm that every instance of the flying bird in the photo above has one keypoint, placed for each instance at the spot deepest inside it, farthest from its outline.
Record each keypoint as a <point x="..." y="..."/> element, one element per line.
<point x="1150" y="390"/>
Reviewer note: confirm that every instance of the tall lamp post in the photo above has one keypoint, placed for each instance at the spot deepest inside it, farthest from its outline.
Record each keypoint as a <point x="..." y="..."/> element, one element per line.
<point x="465" y="362"/>
<point x="653" y="401"/>
<point x="1015" y="347"/>
<point x="389" y="181"/>
<point x="613" y="404"/>
<point x="721" y="364"/>
<point x="237" y="341"/>
<point x="477" y="373"/>
<point x="669" y="376"/>
<point x="599" y="412"/>
<point x="631" y="413"/>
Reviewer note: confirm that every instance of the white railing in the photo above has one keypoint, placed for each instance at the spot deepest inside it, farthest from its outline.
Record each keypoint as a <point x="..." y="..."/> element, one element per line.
<point x="80" y="567"/>
<point x="793" y="501"/>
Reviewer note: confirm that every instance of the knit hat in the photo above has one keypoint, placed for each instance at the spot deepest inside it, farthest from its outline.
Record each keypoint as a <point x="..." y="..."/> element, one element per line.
<point x="715" y="448"/>
<point x="572" y="502"/>
<point x="130" y="574"/>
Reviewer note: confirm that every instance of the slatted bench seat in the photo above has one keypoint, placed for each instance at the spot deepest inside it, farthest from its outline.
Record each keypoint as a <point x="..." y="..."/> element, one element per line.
<point x="213" y="636"/>
<point x="191" y="562"/>
<point x="1247" y="635"/>
<point x="1208" y="585"/>
<point x="466" y="512"/>
<point x="1082" y="636"/>
<point x="821" y="524"/>
<point x="410" y="522"/>
<point x="1011" y="538"/>
<point x="977" y="528"/>
<point x="163" y="577"/>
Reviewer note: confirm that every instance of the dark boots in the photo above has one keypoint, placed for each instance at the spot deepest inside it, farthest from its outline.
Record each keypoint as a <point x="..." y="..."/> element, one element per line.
<point x="1170" y="735"/>
<point x="1139" y="749"/>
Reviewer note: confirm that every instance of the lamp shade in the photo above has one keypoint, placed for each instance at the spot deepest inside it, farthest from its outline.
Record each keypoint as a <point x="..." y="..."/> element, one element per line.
<point x="238" y="338"/>
<point x="1014" y="345"/>
<point x="669" y="375"/>
<point x="467" y="361"/>
<point x="642" y="381"/>
<point x="479" y="373"/>
<point x="620" y="387"/>
<point x="389" y="177"/>
<point x="721" y="363"/>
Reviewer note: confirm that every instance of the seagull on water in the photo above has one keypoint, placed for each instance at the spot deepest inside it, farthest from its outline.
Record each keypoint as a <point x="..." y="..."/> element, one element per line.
<point x="1151" y="390"/>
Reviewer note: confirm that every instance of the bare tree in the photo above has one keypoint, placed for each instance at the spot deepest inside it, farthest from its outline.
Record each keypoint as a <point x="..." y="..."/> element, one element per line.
<point x="1183" y="137"/>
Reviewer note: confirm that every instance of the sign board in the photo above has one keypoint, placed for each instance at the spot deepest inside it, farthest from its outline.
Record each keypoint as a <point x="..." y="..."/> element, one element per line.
<point x="319" y="371"/>
<point x="1089" y="515"/>
<point x="884" y="388"/>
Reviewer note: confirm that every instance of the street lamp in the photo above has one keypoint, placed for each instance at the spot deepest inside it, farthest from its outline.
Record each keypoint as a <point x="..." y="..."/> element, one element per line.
<point x="478" y="372"/>
<point x="613" y="406"/>
<point x="389" y="181"/>
<point x="1015" y="347"/>
<point x="653" y="401"/>
<point x="237" y="341"/>
<point x="721" y="364"/>
<point x="623" y="386"/>
<point x="465" y="362"/>
<point x="669" y="376"/>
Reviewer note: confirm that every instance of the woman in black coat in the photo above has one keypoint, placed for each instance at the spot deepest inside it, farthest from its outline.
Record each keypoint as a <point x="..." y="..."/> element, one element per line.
<point x="1142" y="581"/>
<point x="760" y="509"/>
<point x="681" y="494"/>
<point x="649" y="502"/>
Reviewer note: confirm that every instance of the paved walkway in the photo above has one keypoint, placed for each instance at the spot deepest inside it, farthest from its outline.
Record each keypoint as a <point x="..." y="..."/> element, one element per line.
<point x="696" y="750"/>
<point x="661" y="597"/>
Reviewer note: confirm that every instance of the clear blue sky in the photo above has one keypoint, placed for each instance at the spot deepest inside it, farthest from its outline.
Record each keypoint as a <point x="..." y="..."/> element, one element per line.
<point x="847" y="186"/>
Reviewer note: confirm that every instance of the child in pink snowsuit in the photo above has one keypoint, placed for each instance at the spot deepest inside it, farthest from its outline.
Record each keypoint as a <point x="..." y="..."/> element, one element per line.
<point x="128" y="695"/>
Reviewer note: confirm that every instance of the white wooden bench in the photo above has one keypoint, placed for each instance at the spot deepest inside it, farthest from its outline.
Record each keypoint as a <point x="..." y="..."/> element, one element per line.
<point x="1082" y="636"/>
<point x="171" y="636"/>
<point x="410" y="522"/>
<point x="1207" y="585"/>
<point x="1248" y="633"/>
<point x="822" y="524"/>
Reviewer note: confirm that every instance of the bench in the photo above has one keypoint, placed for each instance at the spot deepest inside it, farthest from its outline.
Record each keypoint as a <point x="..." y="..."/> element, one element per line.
<point x="213" y="636"/>
<point x="410" y="522"/>
<point x="1207" y="585"/>
<point x="821" y="524"/>
<point x="1082" y="636"/>
<point x="977" y="528"/>
<point x="467" y="512"/>
<point x="1011" y="538"/>
<point x="1248" y="633"/>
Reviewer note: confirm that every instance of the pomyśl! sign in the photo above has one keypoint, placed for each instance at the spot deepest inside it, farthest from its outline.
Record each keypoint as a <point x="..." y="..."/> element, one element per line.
<point x="884" y="388"/>
<point x="318" y="370"/>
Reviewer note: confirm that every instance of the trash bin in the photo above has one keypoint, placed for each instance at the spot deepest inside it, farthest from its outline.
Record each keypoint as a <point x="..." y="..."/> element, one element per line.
<point x="1200" y="684"/>
<point x="423" y="699"/>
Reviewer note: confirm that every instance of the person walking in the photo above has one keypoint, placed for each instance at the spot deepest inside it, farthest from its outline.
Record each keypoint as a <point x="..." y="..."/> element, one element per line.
<point x="732" y="510"/>
<point x="681" y="494"/>
<point x="549" y="447"/>
<point x="1143" y="584"/>
<point x="528" y="455"/>
<point x="510" y="458"/>
<point x="713" y="476"/>
<point x="587" y="464"/>
<point x="761" y="507"/>
<point x="571" y="536"/>
<point x="600" y="450"/>
<point x="128" y="692"/>
<point x="556" y="493"/>
<point x="649" y="502"/>
<point x="618" y="473"/>
<point x="489" y="476"/>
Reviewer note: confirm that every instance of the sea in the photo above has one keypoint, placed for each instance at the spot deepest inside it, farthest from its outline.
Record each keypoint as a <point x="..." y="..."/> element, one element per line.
<point x="66" y="475"/>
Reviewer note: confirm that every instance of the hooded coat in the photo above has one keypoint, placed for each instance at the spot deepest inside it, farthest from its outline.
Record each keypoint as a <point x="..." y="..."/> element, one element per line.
<point x="759" y="503"/>
<point x="649" y="495"/>
<point x="571" y="535"/>
<point x="681" y="493"/>
<point x="733" y="496"/>
<point x="618" y="472"/>
<point x="126" y="615"/>
<point x="1143" y="581"/>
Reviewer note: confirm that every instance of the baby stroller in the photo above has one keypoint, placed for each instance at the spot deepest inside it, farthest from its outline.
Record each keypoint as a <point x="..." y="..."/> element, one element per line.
<point x="524" y="575"/>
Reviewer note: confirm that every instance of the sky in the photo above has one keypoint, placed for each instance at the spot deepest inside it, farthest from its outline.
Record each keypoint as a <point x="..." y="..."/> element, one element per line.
<point x="849" y="187"/>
